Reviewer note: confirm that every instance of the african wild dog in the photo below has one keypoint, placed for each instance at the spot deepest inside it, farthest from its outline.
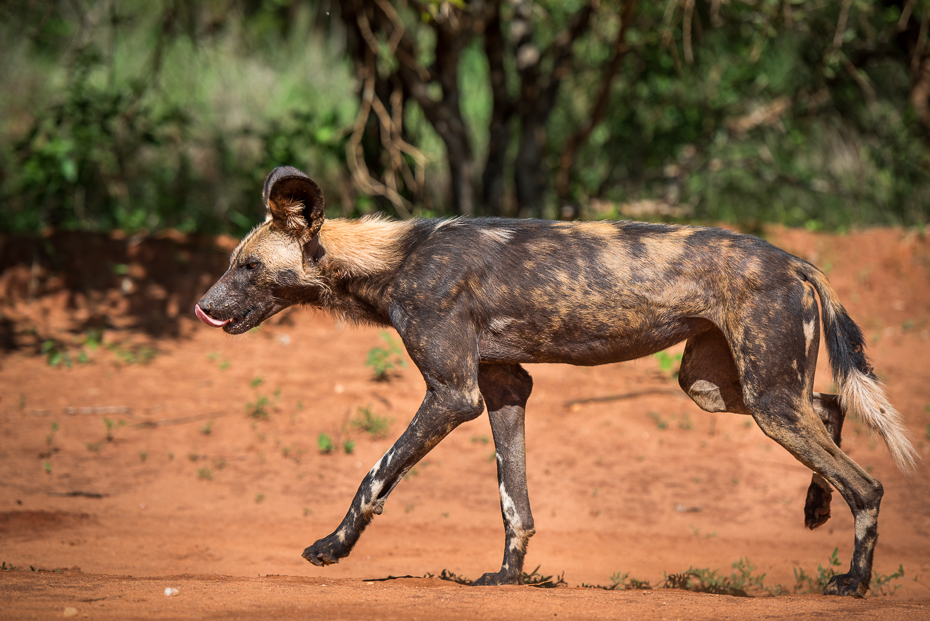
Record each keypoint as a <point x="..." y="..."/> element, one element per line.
<point x="473" y="299"/>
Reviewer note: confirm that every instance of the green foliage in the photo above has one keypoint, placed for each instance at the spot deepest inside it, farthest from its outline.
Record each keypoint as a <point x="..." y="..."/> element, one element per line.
<point x="540" y="581"/>
<point x="261" y="408"/>
<point x="372" y="424"/>
<point x="56" y="354"/>
<point x="258" y="409"/>
<point x="621" y="581"/>
<point x="658" y="420"/>
<point x="159" y="115"/>
<point x="669" y="364"/>
<point x="882" y="584"/>
<point x="384" y="360"/>
<point x="50" y="438"/>
<point x="804" y="583"/>
<point x="325" y="444"/>
<point x="140" y="354"/>
<point x="111" y="426"/>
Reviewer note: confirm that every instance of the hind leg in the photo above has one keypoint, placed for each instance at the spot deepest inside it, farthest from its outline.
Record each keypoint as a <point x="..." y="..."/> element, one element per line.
<point x="709" y="376"/>
<point x="505" y="389"/>
<point x="827" y="407"/>
<point x="777" y="383"/>
<point x="795" y="427"/>
<point x="819" y="494"/>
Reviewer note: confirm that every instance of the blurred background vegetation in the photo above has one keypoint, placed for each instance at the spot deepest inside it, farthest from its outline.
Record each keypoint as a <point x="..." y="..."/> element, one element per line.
<point x="143" y="115"/>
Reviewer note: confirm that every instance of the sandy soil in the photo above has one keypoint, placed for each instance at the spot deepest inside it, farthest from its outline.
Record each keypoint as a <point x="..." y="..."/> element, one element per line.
<point x="173" y="456"/>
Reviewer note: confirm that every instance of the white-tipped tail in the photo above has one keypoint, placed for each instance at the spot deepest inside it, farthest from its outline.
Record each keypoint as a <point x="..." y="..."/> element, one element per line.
<point x="863" y="397"/>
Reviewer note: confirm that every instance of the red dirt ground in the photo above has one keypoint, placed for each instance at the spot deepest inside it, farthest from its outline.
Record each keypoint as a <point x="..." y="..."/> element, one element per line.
<point x="626" y="474"/>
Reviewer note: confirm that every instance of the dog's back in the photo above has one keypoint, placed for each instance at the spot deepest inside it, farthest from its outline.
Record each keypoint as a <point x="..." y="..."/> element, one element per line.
<point x="580" y="293"/>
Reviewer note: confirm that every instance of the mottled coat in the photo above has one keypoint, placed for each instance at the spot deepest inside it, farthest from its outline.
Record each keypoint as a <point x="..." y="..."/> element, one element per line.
<point x="473" y="299"/>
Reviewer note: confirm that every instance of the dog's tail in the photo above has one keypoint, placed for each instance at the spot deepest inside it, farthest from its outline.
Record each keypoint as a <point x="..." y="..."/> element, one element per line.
<point x="861" y="394"/>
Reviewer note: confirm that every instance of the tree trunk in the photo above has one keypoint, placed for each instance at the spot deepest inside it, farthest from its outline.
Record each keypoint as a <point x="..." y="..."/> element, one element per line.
<point x="492" y="179"/>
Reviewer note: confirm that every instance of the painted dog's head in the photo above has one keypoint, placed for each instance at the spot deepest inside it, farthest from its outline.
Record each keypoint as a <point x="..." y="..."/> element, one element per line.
<point x="273" y="267"/>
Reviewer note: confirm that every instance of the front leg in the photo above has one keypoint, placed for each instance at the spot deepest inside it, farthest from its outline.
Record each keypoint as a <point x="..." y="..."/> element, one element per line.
<point x="443" y="409"/>
<point x="506" y="389"/>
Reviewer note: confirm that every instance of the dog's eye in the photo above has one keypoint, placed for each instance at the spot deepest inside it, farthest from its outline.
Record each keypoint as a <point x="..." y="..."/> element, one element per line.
<point x="250" y="265"/>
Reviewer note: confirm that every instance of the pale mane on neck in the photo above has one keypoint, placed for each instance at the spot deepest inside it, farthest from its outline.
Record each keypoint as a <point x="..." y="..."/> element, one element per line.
<point x="364" y="247"/>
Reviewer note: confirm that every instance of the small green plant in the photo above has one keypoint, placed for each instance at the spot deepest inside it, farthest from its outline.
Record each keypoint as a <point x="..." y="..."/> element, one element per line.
<point x="668" y="364"/>
<point x="684" y="422"/>
<point x="620" y="581"/>
<point x="815" y="584"/>
<point x="259" y="497"/>
<point x="207" y="429"/>
<point x="324" y="443"/>
<point x="658" y="420"/>
<point x="142" y="354"/>
<point x="143" y="456"/>
<point x="5" y="567"/>
<point x="50" y="438"/>
<point x="480" y="439"/>
<point x="204" y="474"/>
<point x="881" y="583"/>
<point x="111" y="426"/>
<point x="538" y="580"/>
<point x="262" y="406"/>
<point x="697" y="531"/>
<point x="292" y="453"/>
<point x="56" y="354"/>
<point x="372" y="424"/>
<point x="47" y="466"/>
<point x="258" y="409"/>
<point x="93" y="339"/>
<point x="449" y="576"/>
<point x="739" y="583"/>
<point x="383" y="360"/>
<point x="348" y="446"/>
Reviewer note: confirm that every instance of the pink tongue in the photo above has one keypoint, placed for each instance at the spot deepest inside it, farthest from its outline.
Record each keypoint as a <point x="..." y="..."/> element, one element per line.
<point x="207" y="319"/>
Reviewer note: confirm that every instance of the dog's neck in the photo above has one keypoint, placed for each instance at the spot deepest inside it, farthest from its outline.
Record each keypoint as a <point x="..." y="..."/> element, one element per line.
<point x="356" y="260"/>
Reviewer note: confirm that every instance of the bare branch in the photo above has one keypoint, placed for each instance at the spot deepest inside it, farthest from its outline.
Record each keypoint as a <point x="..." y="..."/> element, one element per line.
<point x="905" y="15"/>
<point x="686" y="32"/>
<point x="600" y="105"/>
<point x="841" y="26"/>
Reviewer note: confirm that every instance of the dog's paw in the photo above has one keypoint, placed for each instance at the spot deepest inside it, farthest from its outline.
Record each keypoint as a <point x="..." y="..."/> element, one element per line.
<point x="498" y="578"/>
<point x="326" y="551"/>
<point x="847" y="585"/>
<point x="817" y="506"/>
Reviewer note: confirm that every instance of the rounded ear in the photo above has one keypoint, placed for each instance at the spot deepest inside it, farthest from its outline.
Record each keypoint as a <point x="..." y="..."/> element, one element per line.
<point x="294" y="202"/>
